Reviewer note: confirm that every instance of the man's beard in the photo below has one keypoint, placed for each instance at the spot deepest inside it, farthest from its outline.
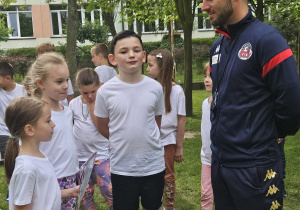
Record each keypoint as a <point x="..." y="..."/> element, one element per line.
<point x="224" y="16"/>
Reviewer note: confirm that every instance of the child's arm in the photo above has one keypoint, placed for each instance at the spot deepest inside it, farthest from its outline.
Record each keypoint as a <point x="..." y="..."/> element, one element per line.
<point x="158" y="121"/>
<point x="91" y="109"/>
<point x="180" y="137"/>
<point x="71" y="192"/>
<point x="102" y="126"/>
<point x="25" y="207"/>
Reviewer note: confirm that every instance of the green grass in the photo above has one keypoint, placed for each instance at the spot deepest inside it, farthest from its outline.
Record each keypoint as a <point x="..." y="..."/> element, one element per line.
<point x="188" y="173"/>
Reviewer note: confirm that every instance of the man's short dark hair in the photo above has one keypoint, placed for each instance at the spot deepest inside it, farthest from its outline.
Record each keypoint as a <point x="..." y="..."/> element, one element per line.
<point x="122" y="35"/>
<point x="6" y="69"/>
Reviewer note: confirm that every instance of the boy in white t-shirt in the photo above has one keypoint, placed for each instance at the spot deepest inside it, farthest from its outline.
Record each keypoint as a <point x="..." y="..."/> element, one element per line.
<point x="128" y="111"/>
<point x="9" y="90"/>
<point x="99" y="54"/>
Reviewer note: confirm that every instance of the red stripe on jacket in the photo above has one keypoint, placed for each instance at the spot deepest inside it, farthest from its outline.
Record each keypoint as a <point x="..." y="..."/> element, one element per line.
<point x="276" y="60"/>
<point x="223" y="33"/>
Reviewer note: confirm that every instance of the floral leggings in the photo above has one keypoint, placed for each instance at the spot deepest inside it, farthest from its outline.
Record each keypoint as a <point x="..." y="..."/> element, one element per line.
<point x="66" y="183"/>
<point x="102" y="175"/>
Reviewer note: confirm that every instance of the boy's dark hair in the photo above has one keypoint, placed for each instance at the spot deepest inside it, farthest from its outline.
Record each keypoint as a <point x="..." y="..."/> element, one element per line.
<point x="101" y="48"/>
<point x="6" y="69"/>
<point x="122" y="35"/>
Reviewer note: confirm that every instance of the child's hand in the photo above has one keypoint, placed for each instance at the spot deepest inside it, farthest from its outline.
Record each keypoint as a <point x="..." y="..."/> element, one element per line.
<point x="75" y="192"/>
<point x="179" y="154"/>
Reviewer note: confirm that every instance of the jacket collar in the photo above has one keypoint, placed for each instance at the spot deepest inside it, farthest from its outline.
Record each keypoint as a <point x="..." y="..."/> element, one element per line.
<point x="234" y="29"/>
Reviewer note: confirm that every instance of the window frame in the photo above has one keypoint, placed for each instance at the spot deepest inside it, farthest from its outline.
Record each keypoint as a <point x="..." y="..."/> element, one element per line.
<point x="17" y="11"/>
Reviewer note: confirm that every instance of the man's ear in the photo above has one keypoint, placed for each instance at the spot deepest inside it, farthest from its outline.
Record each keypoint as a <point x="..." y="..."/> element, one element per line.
<point x="39" y="82"/>
<point x="29" y="130"/>
<point x="112" y="60"/>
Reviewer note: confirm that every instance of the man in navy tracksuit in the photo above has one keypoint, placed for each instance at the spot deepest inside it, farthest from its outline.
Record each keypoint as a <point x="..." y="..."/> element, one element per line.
<point x="256" y="101"/>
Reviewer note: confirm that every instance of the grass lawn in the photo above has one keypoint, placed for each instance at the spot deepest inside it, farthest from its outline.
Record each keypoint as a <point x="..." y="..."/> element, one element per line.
<point x="188" y="173"/>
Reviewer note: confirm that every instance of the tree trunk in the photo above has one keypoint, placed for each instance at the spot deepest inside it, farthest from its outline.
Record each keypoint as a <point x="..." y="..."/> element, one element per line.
<point x="260" y="10"/>
<point x="188" y="70"/>
<point x="72" y="27"/>
<point x="109" y="20"/>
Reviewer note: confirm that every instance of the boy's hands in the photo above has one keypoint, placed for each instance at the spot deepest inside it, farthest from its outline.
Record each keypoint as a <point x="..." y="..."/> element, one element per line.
<point x="179" y="154"/>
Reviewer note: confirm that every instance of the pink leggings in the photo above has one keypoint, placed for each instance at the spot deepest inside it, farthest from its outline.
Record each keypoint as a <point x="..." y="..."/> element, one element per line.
<point x="207" y="197"/>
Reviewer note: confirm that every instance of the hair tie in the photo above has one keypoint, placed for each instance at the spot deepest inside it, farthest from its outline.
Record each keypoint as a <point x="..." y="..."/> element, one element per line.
<point x="159" y="55"/>
<point x="12" y="137"/>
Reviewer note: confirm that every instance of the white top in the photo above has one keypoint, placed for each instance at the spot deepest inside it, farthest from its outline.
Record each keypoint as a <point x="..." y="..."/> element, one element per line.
<point x="105" y="73"/>
<point x="205" y="133"/>
<point x="87" y="138"/>
<point x="134" y="135"/>
<point x="70" y="91"/>
<point x="5" y="99"/>
<point x="169" y="121"/>
<point x="34" y="182"/>
<point x="61" y="150"/>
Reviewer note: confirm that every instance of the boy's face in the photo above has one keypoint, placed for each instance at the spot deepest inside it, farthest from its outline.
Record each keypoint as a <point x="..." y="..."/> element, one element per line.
<point x="129" y="55"/>
<point x="4" y="80"/>
<point x="96" y="59"/>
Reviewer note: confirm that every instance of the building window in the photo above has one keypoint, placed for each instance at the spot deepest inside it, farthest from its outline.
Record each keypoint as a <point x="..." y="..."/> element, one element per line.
<point x="19" y="19"/>
<point x="59" y="15"/>
<point x="203" y="21"/>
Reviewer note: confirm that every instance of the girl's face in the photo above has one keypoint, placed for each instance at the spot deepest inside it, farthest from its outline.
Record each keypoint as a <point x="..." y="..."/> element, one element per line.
<point x="43" y="129"/>
<point x="56" y="84"/>
<point x="208" y="81"/>
<point x="152" y="69"/>
<point x="88" y="92"/>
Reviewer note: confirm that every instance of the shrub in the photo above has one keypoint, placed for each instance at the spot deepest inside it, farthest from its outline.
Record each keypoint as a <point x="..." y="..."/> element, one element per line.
<point x="21" y="65"/>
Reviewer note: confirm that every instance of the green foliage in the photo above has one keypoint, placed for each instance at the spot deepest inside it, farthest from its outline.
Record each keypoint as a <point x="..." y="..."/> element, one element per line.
<point x="4" y="31"/>
<point x="21" y="65"/>
<point x="166" y="41"/>
<point x="21" y="52"/>
<point x="149" y="46"/>
<point x="93" y="32"/>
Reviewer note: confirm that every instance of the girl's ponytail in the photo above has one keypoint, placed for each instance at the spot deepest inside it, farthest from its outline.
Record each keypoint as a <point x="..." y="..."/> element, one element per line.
<point x="11" y="152"/>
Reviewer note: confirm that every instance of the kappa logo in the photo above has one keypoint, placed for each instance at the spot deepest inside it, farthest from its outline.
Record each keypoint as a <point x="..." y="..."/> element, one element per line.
<point x="270" y="174"/>
<point x="272" y="190"/>
<point x="217" y="49"/>
<point x="245" y="52"/>
<point x="275" y="205"/>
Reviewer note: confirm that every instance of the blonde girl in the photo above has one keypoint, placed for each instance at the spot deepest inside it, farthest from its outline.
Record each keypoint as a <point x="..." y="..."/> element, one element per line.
<point x="160" y="67"/>
<point x="88" y="139"/>
<point x="50" y="75"/>
<point x="207" y="198"/>
<point x="31" y="175"/>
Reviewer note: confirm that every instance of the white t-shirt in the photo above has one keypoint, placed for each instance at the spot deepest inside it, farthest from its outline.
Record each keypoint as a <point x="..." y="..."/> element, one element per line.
<point x="169" y="122"/>
<point x="205" y="133"/>
<point x="5" y="99"/>
<point x="134" y="136"/>
<point x="34" y="182"/>
<point x="105" y="73"/>
<point x="61" y="150"/>
<point x="70" y="91"/>
<point x="87" y="138"/>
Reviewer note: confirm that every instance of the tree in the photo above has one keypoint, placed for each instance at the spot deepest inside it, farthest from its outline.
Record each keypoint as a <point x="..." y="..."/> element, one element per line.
<point x="72" y="27"/>
<point x="186" y="13"/>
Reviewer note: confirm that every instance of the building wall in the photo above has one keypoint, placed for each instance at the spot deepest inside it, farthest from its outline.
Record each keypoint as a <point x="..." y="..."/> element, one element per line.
<point x="41" y="21"/>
